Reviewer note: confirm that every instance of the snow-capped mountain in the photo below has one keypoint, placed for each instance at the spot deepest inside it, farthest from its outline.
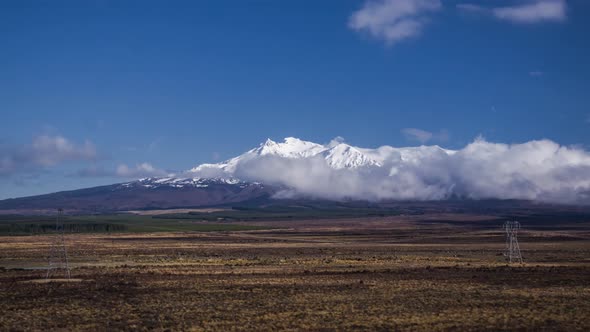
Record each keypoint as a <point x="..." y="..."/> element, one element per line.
<point x="184" y="182"/>
<point x="292" y="148"/>
<point x="346" y="156"/>
<point x="271" y="170"/>
<point x="148" y="193"/>
<point x="537" y="170"/>
<point x="337" y="155"/>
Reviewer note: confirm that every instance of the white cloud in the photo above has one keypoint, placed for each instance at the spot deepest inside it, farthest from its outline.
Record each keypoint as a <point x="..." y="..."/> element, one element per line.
<point x="335" y="141"/>
<point x="536" y="170"/>
<point x="529" y="12"/>
<point x="139" y="171"/>
<point x="51" y="150"/>
<point x="43" y="152"/>
<point x="393" y="20"/>
<point x="537" y="11"/>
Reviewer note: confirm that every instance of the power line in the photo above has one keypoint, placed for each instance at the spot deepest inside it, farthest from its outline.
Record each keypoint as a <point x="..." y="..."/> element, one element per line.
<point x="58" y="253"/>
<point x="512" y="250"/>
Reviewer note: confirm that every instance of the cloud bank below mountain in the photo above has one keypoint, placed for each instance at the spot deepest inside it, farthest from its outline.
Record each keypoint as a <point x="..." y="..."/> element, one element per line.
<point x="539" y="170"/>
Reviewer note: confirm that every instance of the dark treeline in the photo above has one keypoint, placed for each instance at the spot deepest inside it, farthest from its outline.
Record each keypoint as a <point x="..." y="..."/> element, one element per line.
<point x="46" y="228"/>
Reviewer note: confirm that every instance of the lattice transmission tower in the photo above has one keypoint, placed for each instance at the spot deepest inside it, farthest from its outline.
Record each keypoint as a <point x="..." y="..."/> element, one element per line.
<point x="58" y="253"/>
<point x="512" y="248"/>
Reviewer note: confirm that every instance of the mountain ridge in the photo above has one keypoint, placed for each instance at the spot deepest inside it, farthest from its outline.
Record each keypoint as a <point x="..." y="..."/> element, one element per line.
<point x="337" y="154"/>
<point x="147" y="193"/>
<point x="337" y="171"/>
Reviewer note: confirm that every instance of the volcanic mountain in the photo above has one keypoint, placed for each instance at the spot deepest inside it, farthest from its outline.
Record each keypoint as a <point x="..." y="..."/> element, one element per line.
<point x="535" y="171"/>
<point x="337" y="155"/>
<point x="213" y="184"/>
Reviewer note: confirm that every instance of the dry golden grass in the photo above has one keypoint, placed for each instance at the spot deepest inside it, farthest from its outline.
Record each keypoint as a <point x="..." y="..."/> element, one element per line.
<point x="379" y="274"/>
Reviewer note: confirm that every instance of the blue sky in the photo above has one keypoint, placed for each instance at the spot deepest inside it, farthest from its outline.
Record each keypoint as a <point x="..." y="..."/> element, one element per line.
<point x="89" y="86"/>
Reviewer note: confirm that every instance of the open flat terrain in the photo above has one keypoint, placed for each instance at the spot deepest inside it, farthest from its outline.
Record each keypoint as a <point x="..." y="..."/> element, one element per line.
<point x="429" y="272"/>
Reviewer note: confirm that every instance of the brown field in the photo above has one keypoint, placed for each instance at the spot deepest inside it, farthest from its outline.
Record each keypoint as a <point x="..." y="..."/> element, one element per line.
<point x="426" y="273"/>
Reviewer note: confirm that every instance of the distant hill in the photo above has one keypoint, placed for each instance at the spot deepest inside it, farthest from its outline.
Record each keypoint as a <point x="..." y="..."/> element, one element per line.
<point x="258" y="200"/>
<point x="413" y="180"/>
<point x="151" y="193"/>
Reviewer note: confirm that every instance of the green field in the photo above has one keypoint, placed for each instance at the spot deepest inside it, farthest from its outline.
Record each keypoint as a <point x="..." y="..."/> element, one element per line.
<point x="117" y="223"/>
<point x="227" y="220"/>
<point x="239" y="218"/>
<point x="284" y="213"/>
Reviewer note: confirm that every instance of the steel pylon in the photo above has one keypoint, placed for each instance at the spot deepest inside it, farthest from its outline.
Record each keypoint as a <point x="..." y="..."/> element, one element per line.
<point x="58" y="253"/>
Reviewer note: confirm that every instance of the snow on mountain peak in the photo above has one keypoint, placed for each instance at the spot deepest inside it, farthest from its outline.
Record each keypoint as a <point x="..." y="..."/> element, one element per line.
<point x="154" y="183"/>
<point x="339" y="170"/>
<point x="345" y="156"/>
<point x="336" y="153"/>
<point x="290" y="148"/>
<point x="268" y="143"/>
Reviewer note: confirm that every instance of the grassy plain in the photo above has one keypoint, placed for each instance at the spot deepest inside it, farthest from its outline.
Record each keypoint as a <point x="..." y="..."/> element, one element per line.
<point x="432" y="272"/>
<point x="116" y="223"/>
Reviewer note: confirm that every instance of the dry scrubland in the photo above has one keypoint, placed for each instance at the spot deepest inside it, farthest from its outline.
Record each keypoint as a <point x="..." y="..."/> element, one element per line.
<point x="439" y="272"/>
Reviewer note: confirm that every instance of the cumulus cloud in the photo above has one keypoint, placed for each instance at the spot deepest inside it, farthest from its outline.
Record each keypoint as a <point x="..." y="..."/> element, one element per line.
<point x="538" y="11"/>
<point x="540" y="170"/>
<point x="393" y="20"/>
<point x="44" y="151"/>
<point x="537" y="170"/>
<point x="529" y="12"/>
